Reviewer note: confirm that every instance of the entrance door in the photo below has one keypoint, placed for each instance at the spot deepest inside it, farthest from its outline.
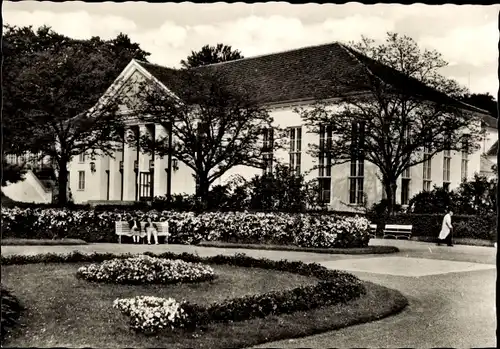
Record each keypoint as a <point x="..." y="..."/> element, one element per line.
<point x="145" y="186"/>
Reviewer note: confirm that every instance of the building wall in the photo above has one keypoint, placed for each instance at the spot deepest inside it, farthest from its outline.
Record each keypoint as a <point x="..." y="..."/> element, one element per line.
<point x="183" y="181"/>
<point x="490" y="137"/>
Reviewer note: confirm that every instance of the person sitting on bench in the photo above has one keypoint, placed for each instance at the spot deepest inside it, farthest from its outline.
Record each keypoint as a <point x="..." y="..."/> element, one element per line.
<point x="135" y="228"/>
<point x="151" y="228"/>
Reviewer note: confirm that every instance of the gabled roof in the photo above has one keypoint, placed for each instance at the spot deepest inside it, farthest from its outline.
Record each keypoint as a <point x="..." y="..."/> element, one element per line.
<point x="493" y="151"/>
<point x="489" y="120"/>
<point x="306" y="74"/>
<point x="301" y="74"/>
<point x="485" y="165"/>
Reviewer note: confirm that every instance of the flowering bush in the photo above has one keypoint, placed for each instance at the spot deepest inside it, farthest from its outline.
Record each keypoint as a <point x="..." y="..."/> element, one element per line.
<point x="146" y="269"/>
<point x="149" y="314"/>
<point x="307" y="230"/>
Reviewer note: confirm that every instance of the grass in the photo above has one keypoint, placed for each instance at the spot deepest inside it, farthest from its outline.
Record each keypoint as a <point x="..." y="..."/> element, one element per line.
<point x="353" y="250"/>
<point x="63" y="311"/>
<point x="41" y="242"/>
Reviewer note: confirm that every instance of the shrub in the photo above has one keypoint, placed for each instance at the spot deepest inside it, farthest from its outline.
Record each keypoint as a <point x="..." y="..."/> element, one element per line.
<point x="306" y="230"/>
<point x="475" y="197"/>
<point x="11" y="308"/>
<point x="429" y="225"/>
<point x="151" y="314"/>
<point x="146" y="269"/>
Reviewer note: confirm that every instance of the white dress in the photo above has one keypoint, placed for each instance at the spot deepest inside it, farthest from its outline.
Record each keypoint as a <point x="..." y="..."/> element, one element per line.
<point x="445" y="230"/>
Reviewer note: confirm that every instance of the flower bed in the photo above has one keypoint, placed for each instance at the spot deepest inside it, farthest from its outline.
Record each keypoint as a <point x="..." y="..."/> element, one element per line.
<point x="152" y="314"/>
<point x="306" y="230"/>
<point x="146" y="269"/>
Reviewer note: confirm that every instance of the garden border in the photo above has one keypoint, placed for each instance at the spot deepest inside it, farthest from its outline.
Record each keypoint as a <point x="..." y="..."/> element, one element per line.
<point x="303" y="298"/>
<point x="340" y="250"/>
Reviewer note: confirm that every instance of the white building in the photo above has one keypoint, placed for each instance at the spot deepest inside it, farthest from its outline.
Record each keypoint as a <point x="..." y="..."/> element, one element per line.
<point x="280" y="82"/>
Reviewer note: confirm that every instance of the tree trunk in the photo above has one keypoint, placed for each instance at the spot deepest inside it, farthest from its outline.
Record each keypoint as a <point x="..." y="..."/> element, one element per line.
<point x="390" y="187"/>
<point x="202" y="188"/>
<point x="62" y="195"/>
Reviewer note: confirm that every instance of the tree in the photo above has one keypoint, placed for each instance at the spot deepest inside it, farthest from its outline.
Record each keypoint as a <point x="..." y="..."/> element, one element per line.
<point x="482" y="100"/>
<point x="53" y="89"/>
<point x="282" y="190"/>
<point x="477" y="196"/>
<point x="436" y="200"/>
<point x="211" y="54"/>
<point x="216" y="128"/>
<point x="391" y="124"/>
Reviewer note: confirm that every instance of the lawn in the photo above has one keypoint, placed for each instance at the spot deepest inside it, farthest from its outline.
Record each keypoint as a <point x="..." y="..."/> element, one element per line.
<point x="66" y="312"/>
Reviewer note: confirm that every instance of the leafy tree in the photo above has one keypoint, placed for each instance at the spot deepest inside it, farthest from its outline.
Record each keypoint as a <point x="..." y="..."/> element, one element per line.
<point x="477" y="196"/>
<point x="211" y="54"/>
<point x="391" y="124"/>
<point x="433" y="201"/>
<point x="482" y="100"/>
<point x="282" y="190"/>
<point x="474" y="197"/>
<point x="11" y="173"/>
<point x="216" y="128"/>
<point x="53" y="87"/>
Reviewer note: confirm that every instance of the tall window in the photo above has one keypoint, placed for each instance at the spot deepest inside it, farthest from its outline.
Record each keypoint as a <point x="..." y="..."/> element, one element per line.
<point x="325" y="163"/>
<point x="405" y="187"/>
<point x="446" y="168"/>
<point x="465" y="160"/>
<point x="295" y="137"/>
<point x="427" y="165"/>
<point x="356" y="178"/>
<point x="81" y="157"/>
<point x="81" y="180"/>
<point x="267" y="150"/>
<point x="11" y="159"/>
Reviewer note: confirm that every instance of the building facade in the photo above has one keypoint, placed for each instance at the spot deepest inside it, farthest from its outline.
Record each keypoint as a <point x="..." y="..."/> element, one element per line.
<point x="281" y="82"/>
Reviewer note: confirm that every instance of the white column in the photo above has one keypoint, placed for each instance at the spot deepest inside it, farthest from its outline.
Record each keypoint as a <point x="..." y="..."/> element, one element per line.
<point x="161" y="164"/>
<point x="129" y="177"/>
<point x="115" y="175"/>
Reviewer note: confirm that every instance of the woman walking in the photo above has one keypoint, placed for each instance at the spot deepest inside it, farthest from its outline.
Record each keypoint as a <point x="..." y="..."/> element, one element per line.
<point x="445" y="235"/>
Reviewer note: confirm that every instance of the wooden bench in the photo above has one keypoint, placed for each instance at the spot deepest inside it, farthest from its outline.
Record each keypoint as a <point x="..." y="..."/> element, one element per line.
<point x="393" y="230"/>
<point x="122" y="228"/>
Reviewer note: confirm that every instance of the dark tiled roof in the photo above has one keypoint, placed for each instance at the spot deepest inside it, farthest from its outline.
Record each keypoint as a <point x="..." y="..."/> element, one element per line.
<point x="308" y="73"/>
<point x="490" y="121"/>
<point x="493" y="150"/>
<point x="485" y="165"/>
<point x="305" y="73"/>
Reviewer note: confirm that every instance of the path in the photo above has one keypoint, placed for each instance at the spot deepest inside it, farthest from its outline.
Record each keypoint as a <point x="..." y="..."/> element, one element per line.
<point x="451" y="291"/>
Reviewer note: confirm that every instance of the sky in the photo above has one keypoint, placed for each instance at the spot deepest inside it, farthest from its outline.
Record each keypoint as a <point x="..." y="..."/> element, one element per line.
<point x="466" y="35"/>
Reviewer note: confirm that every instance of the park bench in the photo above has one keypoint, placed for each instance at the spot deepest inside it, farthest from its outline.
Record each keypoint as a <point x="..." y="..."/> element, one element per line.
<point x="393" y="230"/>
<point x="123" y="228"/>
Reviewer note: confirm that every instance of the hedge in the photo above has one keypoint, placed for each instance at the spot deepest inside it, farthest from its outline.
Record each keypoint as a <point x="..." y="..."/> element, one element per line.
<point x="11" y="309"/>
<point x="429" y="225"/>
<point x="305" y="230"/>
<point x="334" y="286"/>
